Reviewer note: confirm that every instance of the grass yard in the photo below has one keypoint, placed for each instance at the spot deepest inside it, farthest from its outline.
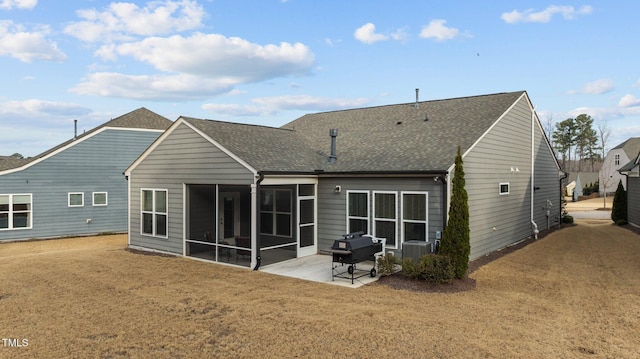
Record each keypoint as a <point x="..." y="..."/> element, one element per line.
<point x="572" y="294"/>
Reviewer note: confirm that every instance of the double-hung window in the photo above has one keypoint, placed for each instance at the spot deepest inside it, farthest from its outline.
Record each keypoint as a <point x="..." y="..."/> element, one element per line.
<point x="385" y="212"/>
<point x="15" y="211"/>
<point x="154" y="212"/>
<point x="414" y="216"/>
<point x="357" y="211"/>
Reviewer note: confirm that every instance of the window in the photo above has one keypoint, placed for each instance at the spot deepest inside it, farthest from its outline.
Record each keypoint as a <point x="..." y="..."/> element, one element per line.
<point x="275" y="212"/>
<point x="385" y="209"/>
<point x="76" y="199"/>
<point x="154" y="212"/>
<point x="414" y="216"/>
<point x="357" y="212"/>
<point x="617" y="160"/>
<point x="15" y="211"/>
<point x="99" y="198"/>
<point x="504" y="188"/>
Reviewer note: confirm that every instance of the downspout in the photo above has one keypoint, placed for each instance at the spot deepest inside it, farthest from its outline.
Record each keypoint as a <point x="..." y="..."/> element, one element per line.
<point x="533" y="168"/>
<point x="256" y="228"/>
<point x="445" y="210"/>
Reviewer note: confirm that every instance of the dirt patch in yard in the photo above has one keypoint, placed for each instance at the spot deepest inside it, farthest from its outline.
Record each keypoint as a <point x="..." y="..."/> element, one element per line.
<point x="572" y="294"/>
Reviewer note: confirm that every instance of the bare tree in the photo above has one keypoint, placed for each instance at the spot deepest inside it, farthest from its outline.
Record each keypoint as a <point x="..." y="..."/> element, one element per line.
<point x="604" y="131"/>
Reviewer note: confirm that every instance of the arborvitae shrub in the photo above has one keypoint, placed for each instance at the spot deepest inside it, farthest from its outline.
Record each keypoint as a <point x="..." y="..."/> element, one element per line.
<point x="619" y="210"/>
<point x="455" y="241"/>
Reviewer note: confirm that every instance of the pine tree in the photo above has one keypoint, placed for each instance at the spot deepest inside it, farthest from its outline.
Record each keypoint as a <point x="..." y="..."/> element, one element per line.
<point x="455" y="241"/>
<point x="619" y="210"/>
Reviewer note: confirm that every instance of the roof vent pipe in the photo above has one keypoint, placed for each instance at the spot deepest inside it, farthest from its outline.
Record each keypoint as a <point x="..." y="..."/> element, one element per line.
<point x="75" y="129"/>
<point x="417" y="98"/>
<point x="332" y="156"/>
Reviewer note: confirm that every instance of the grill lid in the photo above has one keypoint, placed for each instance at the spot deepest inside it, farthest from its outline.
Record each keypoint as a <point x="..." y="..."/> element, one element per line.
<point x="352" y="242"/>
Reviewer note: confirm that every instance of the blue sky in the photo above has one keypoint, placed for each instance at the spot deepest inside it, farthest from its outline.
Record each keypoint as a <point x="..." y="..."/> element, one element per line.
<point x="269" y="62"/>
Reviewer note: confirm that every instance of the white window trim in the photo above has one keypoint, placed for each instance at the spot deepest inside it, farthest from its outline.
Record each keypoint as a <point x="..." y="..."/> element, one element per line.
<point x="500" y="188"/>
<point x="11" y="212"/>
<point x="93" y="199"/>
<point x="403" y="221"/>
<point x="395" y="220"/>
<point x="154" y="213"/>
<point x="367" y="218"/>
<point x="69" y="199"/>
<point x="275" y="213"/>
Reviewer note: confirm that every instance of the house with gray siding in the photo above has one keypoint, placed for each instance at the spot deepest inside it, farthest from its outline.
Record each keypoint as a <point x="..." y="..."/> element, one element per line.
<point x="77" y="187"/>
<point x="631" y="171"/>
<point x="609" y="174"/>
<point x="254" y="195"/>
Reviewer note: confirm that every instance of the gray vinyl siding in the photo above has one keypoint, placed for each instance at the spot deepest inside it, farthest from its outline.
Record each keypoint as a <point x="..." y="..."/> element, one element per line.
<point x="633" y="200"/>
<point x="332" y="207"/>
<point x="183" y="157"/>
<point x="546" y="182"/>
<point x="499" y="220"/>
<point x="92" y="165"/>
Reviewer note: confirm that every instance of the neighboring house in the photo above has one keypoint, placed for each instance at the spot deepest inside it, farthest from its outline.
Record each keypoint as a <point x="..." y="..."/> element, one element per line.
<point x="632" y="173"/>
<point x="215" y="190"/>
<point x="577" y="181"/>
<point x="76" y="188"/>
<point x="613" y="161"/>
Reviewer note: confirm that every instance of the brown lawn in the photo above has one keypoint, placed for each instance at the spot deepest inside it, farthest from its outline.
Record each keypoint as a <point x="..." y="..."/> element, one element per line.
<point x="572" y="294"/>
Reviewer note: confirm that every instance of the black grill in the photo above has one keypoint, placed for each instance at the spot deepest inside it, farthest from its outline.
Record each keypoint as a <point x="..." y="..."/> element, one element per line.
<point x="352" y="249"/>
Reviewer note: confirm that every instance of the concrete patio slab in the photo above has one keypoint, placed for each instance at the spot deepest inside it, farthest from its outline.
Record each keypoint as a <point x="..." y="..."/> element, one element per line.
<point x="318" y="268"/>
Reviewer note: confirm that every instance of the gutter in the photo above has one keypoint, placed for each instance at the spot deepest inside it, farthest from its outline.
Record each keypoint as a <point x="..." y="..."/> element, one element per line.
<point x="257" y="224"/>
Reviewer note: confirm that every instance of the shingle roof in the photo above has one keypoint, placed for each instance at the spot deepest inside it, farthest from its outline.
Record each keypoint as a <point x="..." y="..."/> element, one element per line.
<point x="264" y="148"/>
<point x="141" y="118"/>
<point x="585" y="177"/>
<point x="404" y="137"/>
<point x="393" y="138"/>
<point x="631" y="146"/>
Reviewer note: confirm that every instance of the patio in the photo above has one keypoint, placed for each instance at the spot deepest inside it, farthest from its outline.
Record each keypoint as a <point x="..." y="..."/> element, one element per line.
<point x="317" y="268"/>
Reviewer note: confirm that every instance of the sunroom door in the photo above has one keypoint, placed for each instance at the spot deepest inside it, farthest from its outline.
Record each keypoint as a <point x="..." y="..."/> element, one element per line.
<point x="307" y="244"/>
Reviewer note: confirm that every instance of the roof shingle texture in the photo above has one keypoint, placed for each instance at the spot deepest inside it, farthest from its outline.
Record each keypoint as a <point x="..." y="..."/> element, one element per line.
<point x="404" y="137"/>
<point x="394" y="138"/>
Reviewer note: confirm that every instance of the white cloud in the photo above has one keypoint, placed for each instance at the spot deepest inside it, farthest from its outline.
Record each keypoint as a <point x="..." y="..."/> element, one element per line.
<point x="598" y="87"/>
<point x="121" y="21"/>
<point x="629" y="100"/>
<point x="28" y="46"/>
<point x="34" y="108"/>
<point x="367" y="34"/>
<point x="195" y="67"/>
<point x="438" y="31"/>
<point x="215" y="55"/>
<point x="275" y="104"/>
<point x="20" y="4"/>
<point x="152" y="87"/>
<point x="544" y="16"/>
